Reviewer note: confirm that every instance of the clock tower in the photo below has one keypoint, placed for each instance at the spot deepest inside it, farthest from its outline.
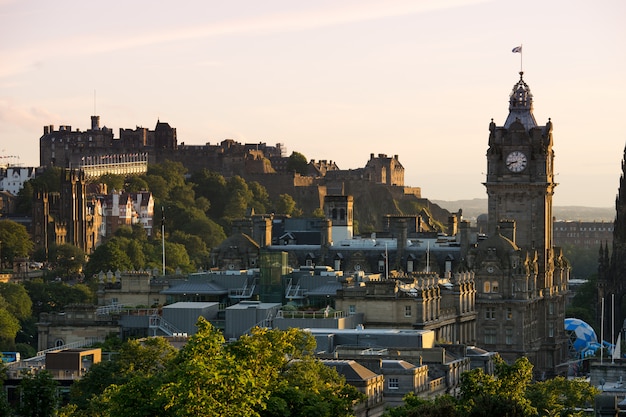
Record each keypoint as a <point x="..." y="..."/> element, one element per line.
<point x="521" y="279"/>
<point x="520" y="179"/>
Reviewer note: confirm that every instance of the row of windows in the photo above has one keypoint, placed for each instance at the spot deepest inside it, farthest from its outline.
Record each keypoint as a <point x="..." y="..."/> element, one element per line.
<point x="490" y="313"/>
<point x="584" y="229"/>
<point x="491" y="334"/>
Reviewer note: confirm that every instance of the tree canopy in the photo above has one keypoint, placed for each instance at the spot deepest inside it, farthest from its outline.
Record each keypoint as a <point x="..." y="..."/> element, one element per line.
<point x="297" y="163"/>
<point x="267" y="373"/>
<point x="14" y="240"/>
<point x="509" y="392"/>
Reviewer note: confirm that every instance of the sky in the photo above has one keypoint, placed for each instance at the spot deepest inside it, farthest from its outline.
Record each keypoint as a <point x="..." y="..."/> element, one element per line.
<point x="331" y="79"/>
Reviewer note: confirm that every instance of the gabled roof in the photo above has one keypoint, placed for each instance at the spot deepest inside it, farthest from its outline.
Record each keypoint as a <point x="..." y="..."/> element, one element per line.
<point x="351" y="370"/>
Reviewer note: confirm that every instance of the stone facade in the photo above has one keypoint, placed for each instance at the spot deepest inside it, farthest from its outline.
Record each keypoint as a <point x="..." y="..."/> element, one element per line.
<point x="587" y="235"/>
<point x="77" y="324"/>
<point x="612" y="266"/>
<point x="67" y="217"/>
<point x="521" y="278"/>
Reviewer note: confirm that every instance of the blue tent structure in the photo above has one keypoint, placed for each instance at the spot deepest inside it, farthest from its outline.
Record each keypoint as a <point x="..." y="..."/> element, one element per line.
<point x="583" y="341"/>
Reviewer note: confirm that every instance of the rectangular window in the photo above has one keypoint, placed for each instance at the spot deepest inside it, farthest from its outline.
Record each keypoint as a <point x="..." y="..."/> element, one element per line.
<point x="393" y="383"/>
<point x="509" y="313"/>
<point x="352" y="309"/>
<point x="407" y="311"/>
<point x="509" y="336"/>
<point x="550" y="308"/>
<point x="490" y="336"/>
<point x="490" y="313"/>
<point x="550" y="329"/>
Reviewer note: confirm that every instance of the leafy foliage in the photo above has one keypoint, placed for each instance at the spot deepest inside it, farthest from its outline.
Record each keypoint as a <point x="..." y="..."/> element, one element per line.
<point x="509" y="392"/>
<point x="15" y="241"/>
<point x="38" y="395"/>
<point x="259" y="375"/>
<point x="50" y="297"/>
<point x="297" y="163"/>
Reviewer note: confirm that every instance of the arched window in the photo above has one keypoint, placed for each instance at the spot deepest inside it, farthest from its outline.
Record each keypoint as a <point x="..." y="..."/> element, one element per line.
<point x="487" y="287"/>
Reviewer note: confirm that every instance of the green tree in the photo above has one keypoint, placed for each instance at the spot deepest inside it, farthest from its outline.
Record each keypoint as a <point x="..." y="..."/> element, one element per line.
<point x="196" y="247"/>
<point x="297" y="163"/>
<point x="239" y="198"/>
<point x="260" y="197"/>
<point x="114" y="182"/>
<point x="5" y="408"/>
<point x="38" y="395"/>
<point x="9" y="326"/>
<point x="561" y="397"/>
<point x="48" y="181"/>
<point x="18" y="301"/>
<point x="500" y="394"/>
<point x="212" y="186"/>
<point x="67" y="259"/>
<point x="54" y="296"/>
<point x="318" y="212"/>
<point x="158" y="187"/>
<point x="15" y="242"/>
<point x="172" y="172"/>
<point x="442" y="406"/>
<point x="108" y="257"/>
<point x="136" y="183"/>
<point x="142" y="359"/>
<point x="583" y="304"/>
<point x="285" y="204"/>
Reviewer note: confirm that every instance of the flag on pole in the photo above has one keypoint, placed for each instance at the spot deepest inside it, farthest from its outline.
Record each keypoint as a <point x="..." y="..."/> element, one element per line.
<point x="517" y="50"/>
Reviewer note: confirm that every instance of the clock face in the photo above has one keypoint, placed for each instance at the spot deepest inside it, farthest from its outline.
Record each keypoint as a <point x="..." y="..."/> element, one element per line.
<point x="516" y="161"/>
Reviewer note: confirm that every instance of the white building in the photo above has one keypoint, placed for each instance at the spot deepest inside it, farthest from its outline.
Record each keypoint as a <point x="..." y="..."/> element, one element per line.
<point x="12" y="179"/>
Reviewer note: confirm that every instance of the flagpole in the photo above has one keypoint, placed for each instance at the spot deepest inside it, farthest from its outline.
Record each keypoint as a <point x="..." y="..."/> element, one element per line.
<point x="163" y="236"/>
<point x="521" y="58"/>
<point x="613" y="323"/>
<point x="601" y="330"/>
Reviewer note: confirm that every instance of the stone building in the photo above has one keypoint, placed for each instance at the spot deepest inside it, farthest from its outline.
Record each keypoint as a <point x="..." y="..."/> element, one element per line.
<point x="587" y="235"/>
<point x="68" y="216"/>
<point x="521" y="277"/>
<point x="417" y="301"/>
<point x="78" y="324"/>
<point x="612" y="266"/>
<point x="12" y="179"/>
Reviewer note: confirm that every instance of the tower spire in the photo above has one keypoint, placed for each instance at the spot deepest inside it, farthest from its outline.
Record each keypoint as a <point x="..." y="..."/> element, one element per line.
<point x="521" y="105"/>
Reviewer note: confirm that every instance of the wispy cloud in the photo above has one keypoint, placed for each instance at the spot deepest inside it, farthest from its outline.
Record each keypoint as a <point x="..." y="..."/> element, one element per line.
<point x="24" y="57"/>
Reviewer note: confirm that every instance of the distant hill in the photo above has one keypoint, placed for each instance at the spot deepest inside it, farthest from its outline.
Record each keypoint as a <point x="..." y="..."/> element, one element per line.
<point x="477" y="206"/>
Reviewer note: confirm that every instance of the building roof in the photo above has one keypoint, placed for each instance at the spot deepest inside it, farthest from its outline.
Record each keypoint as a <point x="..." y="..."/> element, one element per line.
<point x="189" y="305"/>
<point x="521" y="105"/>
<point x="195" y="288"/>
<point x="397" y="364"/>
<point x="329" y="288"/>
<point x="351" y="370"/>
